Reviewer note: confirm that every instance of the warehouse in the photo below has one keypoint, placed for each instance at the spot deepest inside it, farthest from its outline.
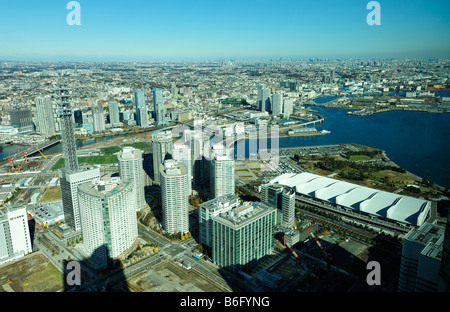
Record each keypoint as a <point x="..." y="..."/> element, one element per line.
<point x="399" y="208"/>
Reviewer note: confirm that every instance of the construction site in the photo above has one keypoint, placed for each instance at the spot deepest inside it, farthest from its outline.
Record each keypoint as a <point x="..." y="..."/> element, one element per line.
<point x="25" y="160"/>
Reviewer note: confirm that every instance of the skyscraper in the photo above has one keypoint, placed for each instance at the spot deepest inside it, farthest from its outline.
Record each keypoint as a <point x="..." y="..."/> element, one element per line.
<point x="141" y="109"/>
<point x="277" y="104"/>
<point x="14" y="234"/>
<point x="421" y="259"/>
<point x="174" y="197"/>
<point x="264" y="99"/>
<point x="210" y="209"/>
<point x="131" y="168"/>
<point x="71" y="176"/>
<point x="283" y="198"/>
<point x="288" y="107"/>
<point x="113" y="107"/>
<point x="64" y="112"/>
<point x="162" y="144"/>
<point x="44" y="116"/>
<point x="159" y="107"/>
<point x="243" y="235"/>
<point x="222" y="173"/>
<point x="99" y="118"/>
<point x="108" y="218"/>
<point x="182" y="152"/>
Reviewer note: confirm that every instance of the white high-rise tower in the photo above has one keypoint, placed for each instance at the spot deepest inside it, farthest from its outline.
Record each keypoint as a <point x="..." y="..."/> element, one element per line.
<point x="174" y="197"/>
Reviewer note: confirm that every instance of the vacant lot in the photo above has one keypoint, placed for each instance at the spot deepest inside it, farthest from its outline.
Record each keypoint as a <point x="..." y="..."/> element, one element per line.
<point x="32" y="273"/>
<point x="53" y="193"/>
<point x="170" y="277"/>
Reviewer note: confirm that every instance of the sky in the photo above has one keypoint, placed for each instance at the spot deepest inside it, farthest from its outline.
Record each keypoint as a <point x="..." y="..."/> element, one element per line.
<point x="140" y="30"/>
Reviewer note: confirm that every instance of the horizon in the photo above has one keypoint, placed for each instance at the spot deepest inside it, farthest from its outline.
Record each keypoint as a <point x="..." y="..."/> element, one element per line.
<point x="201" y="30"/>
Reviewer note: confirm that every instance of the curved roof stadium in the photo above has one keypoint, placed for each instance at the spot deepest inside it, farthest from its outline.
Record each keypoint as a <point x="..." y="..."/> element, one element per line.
<point x="392" y="206"/>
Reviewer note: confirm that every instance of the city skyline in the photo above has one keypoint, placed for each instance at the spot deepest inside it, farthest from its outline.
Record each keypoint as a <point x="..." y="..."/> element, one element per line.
<point x="201" y="30"/>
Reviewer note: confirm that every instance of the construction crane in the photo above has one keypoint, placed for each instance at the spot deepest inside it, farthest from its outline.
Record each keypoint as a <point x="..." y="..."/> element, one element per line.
<point x="328" y="258"/>
<point x="41" y="153"/>
<point x="11" y="160"/>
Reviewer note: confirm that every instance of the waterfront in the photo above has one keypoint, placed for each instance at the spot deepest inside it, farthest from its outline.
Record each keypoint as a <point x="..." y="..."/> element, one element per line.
<point x="416" y="141"/>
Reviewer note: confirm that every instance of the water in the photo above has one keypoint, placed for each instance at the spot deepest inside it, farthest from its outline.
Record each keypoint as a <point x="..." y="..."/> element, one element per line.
<point x="416" y="141"/>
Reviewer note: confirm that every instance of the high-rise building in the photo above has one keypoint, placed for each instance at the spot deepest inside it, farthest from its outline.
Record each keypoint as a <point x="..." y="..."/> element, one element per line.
<point x="131" y="168"/>
<point x="174" y="197"/>
<point x="444" y="272"/>
<point x="421" y="259"/>
<point x="44" y="116"/>
<point x="182" y="152"/>
<point x="162" y="144"/>
<point x="208" y="210"/>
<point x="108" y="218"/>
<point x="64" y="112"/>
<point x="113" y="107"/>
<point x="14" y="234"/>
<point x="243" y="235"/>
<point x="201" y="156"/>
<point x="159" y="107"/>
<point x="277" y="103"/>
<point x="71" y="176"/>
<point x="222" y="173"/>
<point x="264" y="99"/>
<point x="288" y="107"/>
<point x="283" y="198"/>
<point x="99" y="118"/>
<point x="141" y="109"/>
<point x="69" y="182"/>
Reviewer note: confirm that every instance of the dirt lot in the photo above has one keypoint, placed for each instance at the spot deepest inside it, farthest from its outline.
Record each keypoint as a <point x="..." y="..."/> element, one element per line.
<point x="170" y="277"/>
<point x="52" y="193"/>
<point x="32" y="273"/>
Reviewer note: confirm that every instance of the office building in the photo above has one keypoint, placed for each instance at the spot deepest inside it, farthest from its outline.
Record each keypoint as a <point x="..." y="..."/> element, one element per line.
<point x="108" y="219"/>
<point x="98" y="118"/>
<point x="283" y="198"/>
<point x="210" y="209"/>
<point x="222" y="166"/>
<point x="421" y="259"/>
<point x="174" y="197"/>
<point x="201" y="156"/>
<point x="45" y="123"/>
<point x="162" y="145"/>
<point x="131" y="168"/>
<point x="113" y="107"/>
<point x="22" y="120"/>
<point x="15" y="239"/>
<point x="444" y="272"/>
<point x="69" y="182"/>
<point x="243" y="235"/>
<point x="159" y="107"/>
<point x="263" y="95"/>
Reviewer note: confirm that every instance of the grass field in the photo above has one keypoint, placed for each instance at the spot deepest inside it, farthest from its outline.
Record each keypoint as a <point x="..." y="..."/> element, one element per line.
<point x="359" y="157"/>
<point x="91" y="160"/>
<point x="52" y="193"/>
<point x="140" y="145"/>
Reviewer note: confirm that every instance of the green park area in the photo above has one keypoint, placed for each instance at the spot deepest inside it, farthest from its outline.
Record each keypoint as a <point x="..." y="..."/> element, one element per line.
<point x="91" y="160"/>
<point x="359" y="157"/>
<point x="110" y="150"/>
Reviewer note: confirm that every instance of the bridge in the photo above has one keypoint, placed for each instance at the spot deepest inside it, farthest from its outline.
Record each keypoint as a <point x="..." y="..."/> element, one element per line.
<point x="313" y="122"/>
<point x="41" y="147"/>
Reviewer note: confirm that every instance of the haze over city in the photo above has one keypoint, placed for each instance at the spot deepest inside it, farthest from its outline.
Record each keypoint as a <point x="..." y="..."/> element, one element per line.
<point x="165" y="30"/>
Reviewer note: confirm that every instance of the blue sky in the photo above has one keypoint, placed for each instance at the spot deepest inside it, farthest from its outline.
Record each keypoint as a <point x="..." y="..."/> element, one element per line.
<point x="144" y="30"/>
